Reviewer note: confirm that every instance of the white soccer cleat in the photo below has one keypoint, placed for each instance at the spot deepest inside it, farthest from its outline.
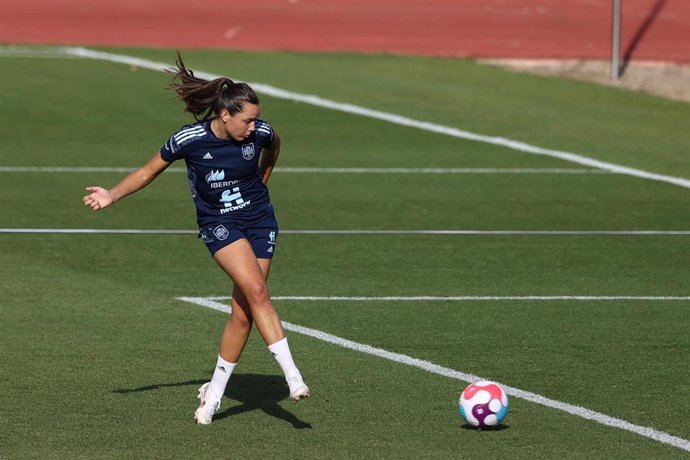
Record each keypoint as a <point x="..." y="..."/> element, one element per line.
<point x="298" y="389"/>
<point x="208" y="407"/>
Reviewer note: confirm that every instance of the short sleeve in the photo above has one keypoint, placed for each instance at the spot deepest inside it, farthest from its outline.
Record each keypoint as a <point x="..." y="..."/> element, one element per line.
<point x="171" y="150"/>
<point x="264" y="133"/>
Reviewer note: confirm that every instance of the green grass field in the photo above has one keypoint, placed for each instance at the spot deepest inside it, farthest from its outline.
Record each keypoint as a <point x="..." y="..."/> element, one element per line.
<point x="100" y="359"/>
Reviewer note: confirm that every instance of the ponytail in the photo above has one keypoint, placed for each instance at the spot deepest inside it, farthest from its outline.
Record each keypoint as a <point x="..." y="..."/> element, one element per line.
<point x="205" y="99"/>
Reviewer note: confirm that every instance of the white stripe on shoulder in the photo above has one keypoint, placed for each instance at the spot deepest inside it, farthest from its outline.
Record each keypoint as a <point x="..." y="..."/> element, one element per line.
<point x="188" y="137"/>
<point x="188" y="131"/>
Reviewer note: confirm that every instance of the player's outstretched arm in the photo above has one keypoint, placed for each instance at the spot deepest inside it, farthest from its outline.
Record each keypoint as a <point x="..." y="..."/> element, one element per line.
<point x="100" y="197"/>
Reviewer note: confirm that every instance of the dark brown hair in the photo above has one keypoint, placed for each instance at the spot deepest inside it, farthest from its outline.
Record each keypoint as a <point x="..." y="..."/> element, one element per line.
<point x="205" y="99"/>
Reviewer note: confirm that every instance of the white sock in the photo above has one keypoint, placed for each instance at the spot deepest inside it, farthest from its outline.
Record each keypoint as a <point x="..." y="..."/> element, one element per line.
<point x="281" y="352"/>
<point x="221" y="375"/>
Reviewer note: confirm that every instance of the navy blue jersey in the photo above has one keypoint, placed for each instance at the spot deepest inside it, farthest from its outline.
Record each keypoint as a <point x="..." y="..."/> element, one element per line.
<point x="224" y="174"/>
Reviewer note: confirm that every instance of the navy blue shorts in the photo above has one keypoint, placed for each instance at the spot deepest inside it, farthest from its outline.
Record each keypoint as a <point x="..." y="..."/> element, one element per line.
<point x="261" y="236"/>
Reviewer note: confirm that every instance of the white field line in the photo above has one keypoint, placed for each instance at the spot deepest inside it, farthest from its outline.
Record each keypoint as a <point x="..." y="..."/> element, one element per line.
<point x="307" y="170"/>
<point x="392" y="118"/>
<point x="464" y="298"/>
<point x="75" y="169"/>
<point x="116" y="231"/>
<point x="428" y="366"/>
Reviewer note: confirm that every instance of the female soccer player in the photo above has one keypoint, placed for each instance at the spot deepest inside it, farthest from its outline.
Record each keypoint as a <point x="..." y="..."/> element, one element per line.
<point x="230" y="154"/>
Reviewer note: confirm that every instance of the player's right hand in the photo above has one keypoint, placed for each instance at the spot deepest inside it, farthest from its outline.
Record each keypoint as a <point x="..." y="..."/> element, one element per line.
<point x="98" y="199"/>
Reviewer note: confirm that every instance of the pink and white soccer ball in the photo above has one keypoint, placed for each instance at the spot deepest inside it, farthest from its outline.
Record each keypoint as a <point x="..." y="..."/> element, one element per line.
<point x="483" y="404"/>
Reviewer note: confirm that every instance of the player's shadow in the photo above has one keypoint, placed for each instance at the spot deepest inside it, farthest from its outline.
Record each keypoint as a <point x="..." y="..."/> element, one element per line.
<point x="259" y="392"/>
<point x="253" y="391"/>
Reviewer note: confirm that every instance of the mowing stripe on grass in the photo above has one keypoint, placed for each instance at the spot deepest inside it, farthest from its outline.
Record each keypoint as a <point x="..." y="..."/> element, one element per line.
<point x="428" y="366"/>
<point x="391" y="118"/>
<point x="119" y="169"/>
<point x="52" y="52"/>
<point x="125" y="231"/>
<point x="399" y="120"/>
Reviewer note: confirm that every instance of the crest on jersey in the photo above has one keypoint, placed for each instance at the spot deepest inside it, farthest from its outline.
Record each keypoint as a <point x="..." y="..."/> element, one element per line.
<point x="248" y="151"/>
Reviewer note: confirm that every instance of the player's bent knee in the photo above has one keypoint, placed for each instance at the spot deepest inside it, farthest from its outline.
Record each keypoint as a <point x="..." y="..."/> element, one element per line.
<point x="257" y="294"/>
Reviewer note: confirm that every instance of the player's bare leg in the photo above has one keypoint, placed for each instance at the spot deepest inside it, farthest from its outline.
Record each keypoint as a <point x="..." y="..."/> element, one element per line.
<point x="232" y="342"/>
<point x="237" y="329"/>
<point x="249" y="275"/>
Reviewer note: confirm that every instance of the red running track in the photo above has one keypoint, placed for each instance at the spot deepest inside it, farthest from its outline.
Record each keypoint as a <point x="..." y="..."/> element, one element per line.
<point x="651" y="29"/>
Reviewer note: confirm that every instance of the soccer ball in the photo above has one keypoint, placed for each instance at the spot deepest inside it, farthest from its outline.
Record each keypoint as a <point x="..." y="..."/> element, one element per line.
<point x="483" y="404"/>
